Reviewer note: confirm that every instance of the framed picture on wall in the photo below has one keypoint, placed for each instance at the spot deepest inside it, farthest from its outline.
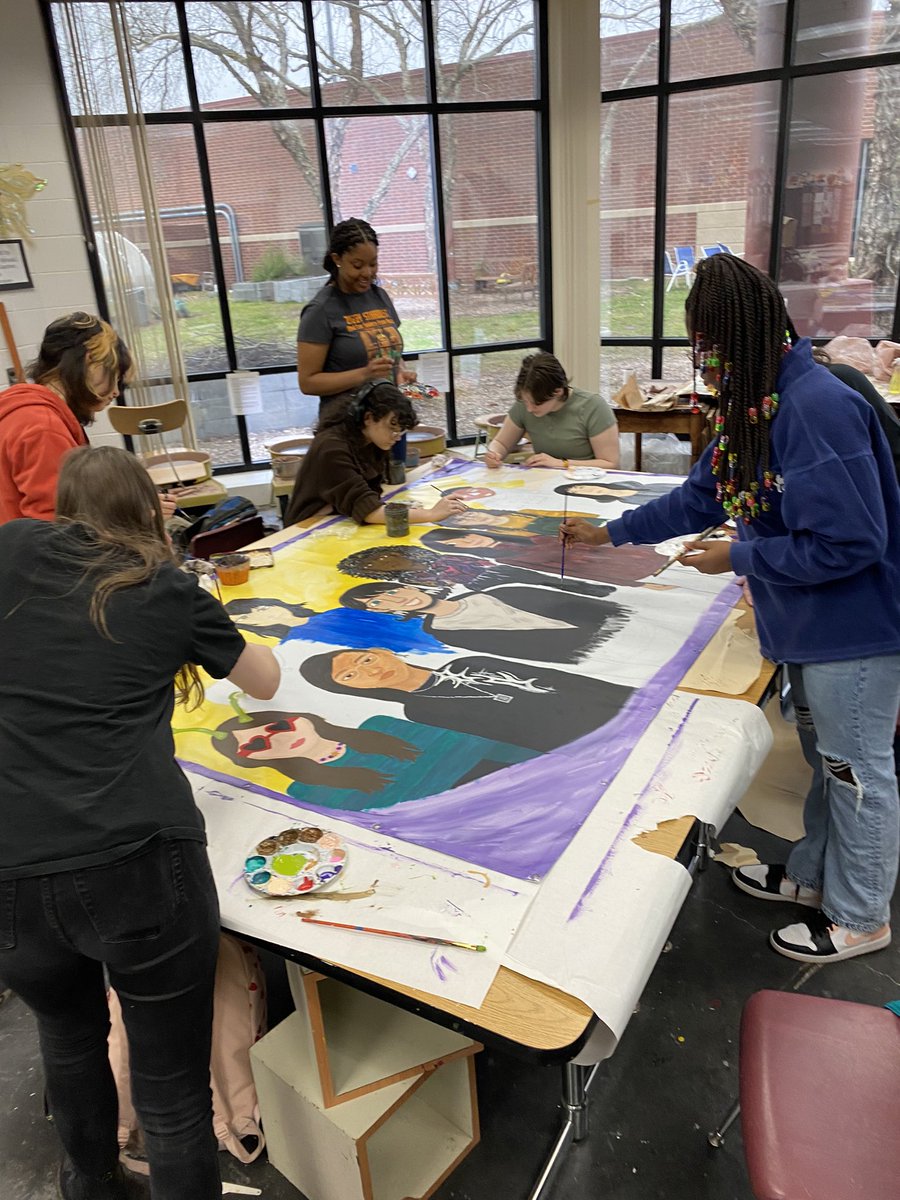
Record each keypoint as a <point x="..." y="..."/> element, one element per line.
<point x="14" y="271"/>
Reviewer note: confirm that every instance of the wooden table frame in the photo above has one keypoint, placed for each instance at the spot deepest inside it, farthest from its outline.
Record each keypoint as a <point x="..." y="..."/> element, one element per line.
<point x="682" y="419"/>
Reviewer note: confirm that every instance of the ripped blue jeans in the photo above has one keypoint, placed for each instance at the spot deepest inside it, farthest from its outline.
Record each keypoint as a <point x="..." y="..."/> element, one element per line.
<point x="846" y="715"/>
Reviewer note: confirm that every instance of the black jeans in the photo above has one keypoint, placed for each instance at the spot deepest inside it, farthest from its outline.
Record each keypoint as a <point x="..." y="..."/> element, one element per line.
<point x="153" y="919"/>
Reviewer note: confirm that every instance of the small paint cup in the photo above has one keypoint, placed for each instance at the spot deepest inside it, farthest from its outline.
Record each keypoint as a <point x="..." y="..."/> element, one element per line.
<point x="397" y="471"/>
<point x="233" y="569"/>
<point x="396" y="518"/>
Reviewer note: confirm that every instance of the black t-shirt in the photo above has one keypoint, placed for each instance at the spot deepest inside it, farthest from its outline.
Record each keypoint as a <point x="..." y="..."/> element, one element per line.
<point x="87" y="757"/>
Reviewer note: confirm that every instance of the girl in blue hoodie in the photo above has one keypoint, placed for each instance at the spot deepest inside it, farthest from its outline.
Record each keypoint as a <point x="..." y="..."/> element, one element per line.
<point x="801" y="464"/>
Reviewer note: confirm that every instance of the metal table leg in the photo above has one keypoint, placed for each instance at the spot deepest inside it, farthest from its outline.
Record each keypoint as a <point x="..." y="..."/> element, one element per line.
<point x="576" y="1082"/>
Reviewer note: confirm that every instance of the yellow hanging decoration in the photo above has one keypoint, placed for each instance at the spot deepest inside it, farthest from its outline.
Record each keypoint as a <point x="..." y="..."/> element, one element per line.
<point x="17" y="186"/>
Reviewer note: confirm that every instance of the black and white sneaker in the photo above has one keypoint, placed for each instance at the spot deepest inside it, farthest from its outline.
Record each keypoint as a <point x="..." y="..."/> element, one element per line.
<point x="769" y="882"/>
<point x="817" y="939"/>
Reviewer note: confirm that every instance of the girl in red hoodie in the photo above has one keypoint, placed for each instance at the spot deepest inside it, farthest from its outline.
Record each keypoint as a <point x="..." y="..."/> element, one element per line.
<point x="80" y="369"/>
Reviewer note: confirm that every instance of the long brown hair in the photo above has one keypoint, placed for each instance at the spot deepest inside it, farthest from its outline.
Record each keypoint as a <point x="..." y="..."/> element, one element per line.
<point x="109" y="492"/>
<point x="69" y="347"/>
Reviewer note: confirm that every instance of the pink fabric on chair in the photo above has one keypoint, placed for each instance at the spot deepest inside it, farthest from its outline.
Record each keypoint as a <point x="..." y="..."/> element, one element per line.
<point x="820" y="1098"/>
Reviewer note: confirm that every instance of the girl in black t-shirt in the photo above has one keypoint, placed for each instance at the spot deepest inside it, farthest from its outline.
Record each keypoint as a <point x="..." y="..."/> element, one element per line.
<point x="103" y="860"/>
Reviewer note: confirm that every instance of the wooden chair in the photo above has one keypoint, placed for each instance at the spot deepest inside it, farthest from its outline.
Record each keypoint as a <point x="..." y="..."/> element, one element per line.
<point x="192" y="469"/>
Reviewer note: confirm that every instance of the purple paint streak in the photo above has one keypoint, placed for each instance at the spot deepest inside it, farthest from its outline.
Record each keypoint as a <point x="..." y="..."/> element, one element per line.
<point x="661" y="767"/>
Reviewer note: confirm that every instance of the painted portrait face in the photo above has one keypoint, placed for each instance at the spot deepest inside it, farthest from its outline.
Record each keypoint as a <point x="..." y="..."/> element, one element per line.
<point x="478" y="519"/>
<point x="291" y="737"/>
<point x="597" y="489"/>
<point x="366" y="669"/>
<point x="357" y="268"/>
<point x="470" y="493"/>
<point x="265" y="615"/>
<point x="472" y="541"/>
<point x="401" y="599"/>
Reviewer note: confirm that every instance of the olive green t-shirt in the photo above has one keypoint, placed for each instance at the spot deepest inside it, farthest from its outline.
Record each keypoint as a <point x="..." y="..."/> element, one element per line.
<point x="568" y="432"/>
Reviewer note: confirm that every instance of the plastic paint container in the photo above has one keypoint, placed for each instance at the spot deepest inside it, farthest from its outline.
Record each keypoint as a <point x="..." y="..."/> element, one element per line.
<point x="233" y="569"/>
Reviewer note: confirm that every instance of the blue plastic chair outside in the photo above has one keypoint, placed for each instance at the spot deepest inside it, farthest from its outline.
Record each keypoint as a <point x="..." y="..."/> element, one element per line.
<point x="684" y="266"/>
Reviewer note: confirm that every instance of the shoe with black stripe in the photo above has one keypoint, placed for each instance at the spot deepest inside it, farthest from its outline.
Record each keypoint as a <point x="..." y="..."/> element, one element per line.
<point x="818" y="939"/>
<point x="770" y="882"/>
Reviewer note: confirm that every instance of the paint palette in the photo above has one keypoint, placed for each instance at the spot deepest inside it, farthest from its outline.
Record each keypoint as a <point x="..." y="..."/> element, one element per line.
<point x="295" y="861"/>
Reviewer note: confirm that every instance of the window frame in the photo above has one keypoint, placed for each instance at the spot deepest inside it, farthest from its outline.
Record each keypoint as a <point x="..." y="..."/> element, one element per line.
<point x="663" y="90"/>
<point x="316" y="113"/>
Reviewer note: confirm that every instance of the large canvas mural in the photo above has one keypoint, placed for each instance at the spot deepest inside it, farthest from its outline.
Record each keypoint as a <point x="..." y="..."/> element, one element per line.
<point x="450" y="689"/>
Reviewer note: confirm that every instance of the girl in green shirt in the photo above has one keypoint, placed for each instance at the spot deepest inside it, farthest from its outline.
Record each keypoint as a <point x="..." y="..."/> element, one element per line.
<point x="565" y="424"/>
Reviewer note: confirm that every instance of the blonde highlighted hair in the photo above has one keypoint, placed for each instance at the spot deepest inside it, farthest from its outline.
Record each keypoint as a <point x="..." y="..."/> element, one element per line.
<point x="70" y="346"/>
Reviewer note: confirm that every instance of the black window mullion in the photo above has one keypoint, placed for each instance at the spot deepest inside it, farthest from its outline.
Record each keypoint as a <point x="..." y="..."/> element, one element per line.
<point x="212" y="223"/>
<point x="544" y="153"/>
<point x="660" y="214"/>
<point x="782" y="146"/>
<point x="437" y="184"/>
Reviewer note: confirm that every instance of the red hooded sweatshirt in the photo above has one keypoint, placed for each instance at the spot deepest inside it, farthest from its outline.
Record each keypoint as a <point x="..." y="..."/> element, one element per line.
<point x="37" y="427"/>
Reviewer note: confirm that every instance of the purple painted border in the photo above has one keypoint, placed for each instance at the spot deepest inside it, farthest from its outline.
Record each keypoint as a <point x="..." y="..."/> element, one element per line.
<point x="519" y="820"/>
<point x="637" y="809"/>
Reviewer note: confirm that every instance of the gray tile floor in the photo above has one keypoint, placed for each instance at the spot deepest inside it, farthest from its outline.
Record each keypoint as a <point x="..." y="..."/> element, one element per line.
<point x="652" y="1103"/>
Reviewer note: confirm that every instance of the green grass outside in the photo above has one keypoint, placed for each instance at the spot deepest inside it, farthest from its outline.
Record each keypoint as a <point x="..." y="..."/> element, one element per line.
<point x="627" y="309"/>
<point x="626" y="312"/>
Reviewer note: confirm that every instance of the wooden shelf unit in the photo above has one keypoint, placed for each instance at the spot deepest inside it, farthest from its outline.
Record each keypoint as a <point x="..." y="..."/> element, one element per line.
<point x="361" y="1100"/>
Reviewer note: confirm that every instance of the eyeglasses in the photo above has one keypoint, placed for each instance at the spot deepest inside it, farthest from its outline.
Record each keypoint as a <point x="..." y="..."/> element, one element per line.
<point x="263" y="741"/>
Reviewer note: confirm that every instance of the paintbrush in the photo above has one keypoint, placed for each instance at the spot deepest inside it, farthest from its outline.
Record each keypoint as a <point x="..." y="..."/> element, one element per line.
<point x="395" y="933"/>
<point x="441" y="494"/>
<point x="674" y="558"/>
<point x="562" y="557"/>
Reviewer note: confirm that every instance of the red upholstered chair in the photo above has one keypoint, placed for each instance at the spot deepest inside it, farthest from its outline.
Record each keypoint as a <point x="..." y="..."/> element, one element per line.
<point x="820" y="1098"/>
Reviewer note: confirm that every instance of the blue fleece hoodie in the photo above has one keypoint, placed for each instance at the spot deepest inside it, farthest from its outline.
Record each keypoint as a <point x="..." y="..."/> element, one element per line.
<point x="824" y="562"/>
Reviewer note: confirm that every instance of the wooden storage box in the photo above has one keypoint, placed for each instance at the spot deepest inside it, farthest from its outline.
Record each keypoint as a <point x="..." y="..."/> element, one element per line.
<point x="395" y="1142"/>
<point x="361" y="1043"/>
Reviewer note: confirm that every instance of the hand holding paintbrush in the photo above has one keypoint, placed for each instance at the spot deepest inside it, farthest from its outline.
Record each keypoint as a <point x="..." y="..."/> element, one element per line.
<point x="695" y="554"/>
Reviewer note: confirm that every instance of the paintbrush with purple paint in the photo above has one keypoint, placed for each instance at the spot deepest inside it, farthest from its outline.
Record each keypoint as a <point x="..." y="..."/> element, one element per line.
<point x="562" y="557"/>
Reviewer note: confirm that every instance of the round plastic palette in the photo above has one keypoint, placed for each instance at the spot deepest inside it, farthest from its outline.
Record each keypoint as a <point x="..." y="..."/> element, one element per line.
<point x="295" y="861"/>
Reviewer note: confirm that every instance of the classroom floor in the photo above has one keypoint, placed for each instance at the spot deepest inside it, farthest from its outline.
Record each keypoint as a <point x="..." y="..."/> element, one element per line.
<point x="673" y="1075"/>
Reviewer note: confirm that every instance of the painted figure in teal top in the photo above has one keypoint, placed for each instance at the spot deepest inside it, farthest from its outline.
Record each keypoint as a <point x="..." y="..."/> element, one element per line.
<point x="383" y="762"/>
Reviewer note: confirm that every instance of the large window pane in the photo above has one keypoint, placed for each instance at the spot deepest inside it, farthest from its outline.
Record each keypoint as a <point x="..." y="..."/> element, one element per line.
<point x="712" y="37"/>
<point x="189" y="262"/>
<point x="85" y="37"/>
<point x="273" y="234"/>
<point x="629" y="43"/>
<point x="249" y="55"/>
<point x="842" y="204"/>
<point x="380" y="170"/>
<point x="484" y="51"/>
<point x="720" y="199"/>
<point x="830" y="30"/>
<point x="628" y="207"/>
<point x="371" y="52"/>
<point x="617" y="363"/>
<point x="491" y="215"/>
<point x="484" y="385"/>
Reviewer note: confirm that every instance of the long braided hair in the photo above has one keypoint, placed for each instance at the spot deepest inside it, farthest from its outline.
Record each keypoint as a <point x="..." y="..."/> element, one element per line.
<point x="739" y="330"/>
